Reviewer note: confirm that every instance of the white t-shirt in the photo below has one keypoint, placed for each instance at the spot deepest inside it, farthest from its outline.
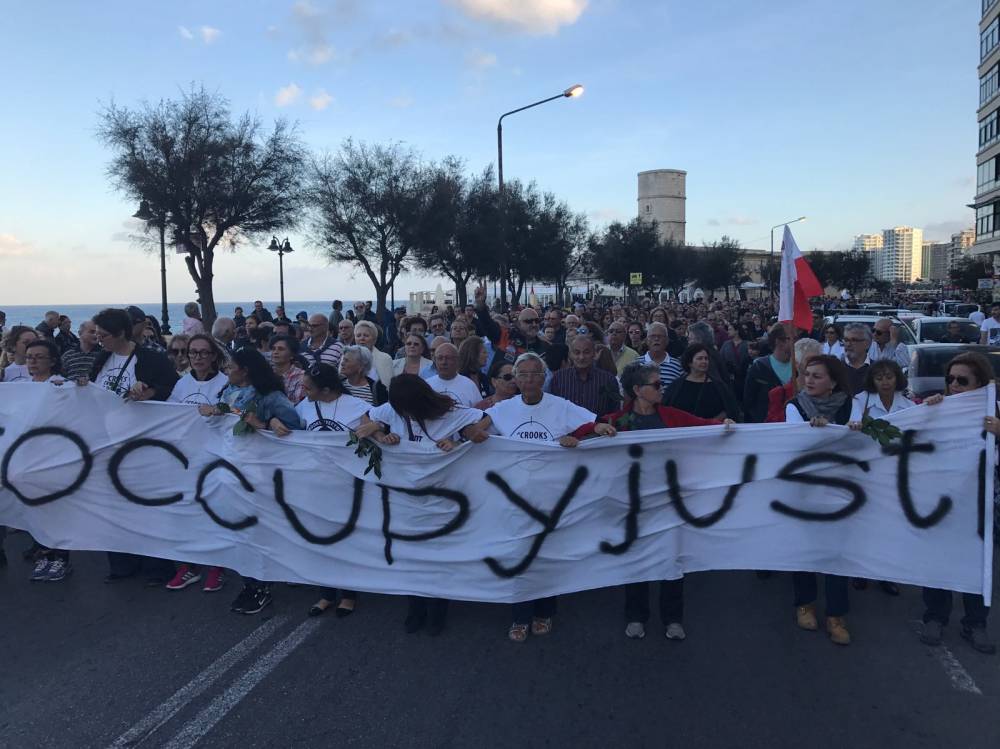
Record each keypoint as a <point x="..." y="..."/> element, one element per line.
<point x="108" y="375"/>
<point x="448" y="426"/>
<point x="16" y="373"/>
<point x="992" y="328"/>
<point x="874" y="405"/>
<point x="546" y="421"/>
<point x="977" y="317"/>
<point x="190" y="390"/>
<point x="339" y="415"/>
<point x="460" y="389"/>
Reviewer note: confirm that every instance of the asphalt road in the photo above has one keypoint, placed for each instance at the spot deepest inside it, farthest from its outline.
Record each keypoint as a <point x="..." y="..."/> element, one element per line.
<point x="91" y="665"/>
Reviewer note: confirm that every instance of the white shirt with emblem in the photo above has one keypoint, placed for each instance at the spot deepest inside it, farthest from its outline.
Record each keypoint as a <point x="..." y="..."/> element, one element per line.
<point x="338" y="415"/>
<point x="546" y="421"/>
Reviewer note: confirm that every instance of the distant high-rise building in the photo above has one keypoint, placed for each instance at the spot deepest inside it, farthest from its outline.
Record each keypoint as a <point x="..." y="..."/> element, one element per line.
<point x="934" y="262"/>
<point x="902" y="254"/>
<point x="662" y="198"/>
<point x="871" y="243"/>
<point x="961" y="244"/>
<point x="987" y="203"/>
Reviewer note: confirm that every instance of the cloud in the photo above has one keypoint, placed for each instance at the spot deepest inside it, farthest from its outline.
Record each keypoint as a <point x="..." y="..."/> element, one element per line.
<point x="480" y="60"/>
<point x="209" y="34"/>
<point x="312" y="24"/>
<point x="320" y="100"/>
<point x="401" y="102"/>
<point x="11" y="246"/>
<point x="287" y="95"/>
<point x="185" y="32"/>
<point x="527" y="16"/>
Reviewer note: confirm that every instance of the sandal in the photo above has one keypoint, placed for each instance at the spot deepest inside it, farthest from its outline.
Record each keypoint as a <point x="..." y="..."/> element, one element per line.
<point x="541" y="626"/>
<point x="517" y="632"/>
<point x="343" y="609"/>
<point x="318" y="609"/>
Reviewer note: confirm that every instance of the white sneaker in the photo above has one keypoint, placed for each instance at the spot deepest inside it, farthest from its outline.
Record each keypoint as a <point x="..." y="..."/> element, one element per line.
<point x="635" y="630"/>
<point x="675" y="631"/>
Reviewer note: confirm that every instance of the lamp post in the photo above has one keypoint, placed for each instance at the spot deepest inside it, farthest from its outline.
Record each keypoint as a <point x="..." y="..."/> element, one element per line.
<point x="770" y="262"/>
<point x="160" y="222"/>
<point x="282" y="249"/>
<point x="570" y="93"/>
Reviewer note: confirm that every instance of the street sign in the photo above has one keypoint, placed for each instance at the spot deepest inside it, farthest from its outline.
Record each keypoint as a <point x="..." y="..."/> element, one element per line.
<point x="985" y="283"/>
<point x="635" y="279"/>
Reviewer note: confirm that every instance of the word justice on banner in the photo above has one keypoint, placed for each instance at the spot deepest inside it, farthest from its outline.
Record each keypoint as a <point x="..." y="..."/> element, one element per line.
<point x="502" y="521"/>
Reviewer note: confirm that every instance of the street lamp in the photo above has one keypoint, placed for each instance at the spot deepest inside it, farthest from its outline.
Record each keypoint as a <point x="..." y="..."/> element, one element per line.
<point x="770" y="275"/>
<point x="282" y="249"/>
<point x="160" y="222"/>
<point x="572" y="92"/>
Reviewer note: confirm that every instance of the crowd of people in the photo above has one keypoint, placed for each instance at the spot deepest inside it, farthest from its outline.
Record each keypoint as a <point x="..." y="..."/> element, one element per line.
<point x="465" y="373"/>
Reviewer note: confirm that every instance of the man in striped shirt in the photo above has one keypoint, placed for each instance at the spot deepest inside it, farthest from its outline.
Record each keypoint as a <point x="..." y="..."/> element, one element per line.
<point x="584" y="384"/>
<point x="77" y="362"/>
<point x="656" y="354"/>
<point x="321" y="347"/>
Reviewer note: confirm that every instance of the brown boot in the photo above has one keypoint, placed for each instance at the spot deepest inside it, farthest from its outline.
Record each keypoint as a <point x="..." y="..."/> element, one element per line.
<point x="805" y="617"/>
<point x="836" y="627"/>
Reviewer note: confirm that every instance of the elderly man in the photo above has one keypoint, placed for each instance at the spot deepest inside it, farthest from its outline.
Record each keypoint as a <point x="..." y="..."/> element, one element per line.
<point x="224" y="332"/>
<point x="438" y="327"/>
<point x="47" y="328"/>
<point x="584" y="384"/>
<point x="262" y="313"/>
<point x="345" y="332"/>
<point x="622" y="354"/>
<point x="886" y="344"/>
<point x="767" y="373"/>
<point x="656" y="354"/>
<point x="448" y="381"/>
<point x="321" y="347"/>
<point x="553" y="319"/>
<point x="77" y="362"/>
<point x="857" y="345"/>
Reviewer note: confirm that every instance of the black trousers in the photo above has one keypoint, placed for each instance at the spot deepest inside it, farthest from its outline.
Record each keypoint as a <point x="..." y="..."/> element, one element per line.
<point x="542" y="608"/>
<point x="330" y="594"/>
<point x="435" y="609"/>
<point x="937" y="608"/>
<point x="804" y="585"/>
<point x="671" y="601"/>
<point x="125" y="565"/>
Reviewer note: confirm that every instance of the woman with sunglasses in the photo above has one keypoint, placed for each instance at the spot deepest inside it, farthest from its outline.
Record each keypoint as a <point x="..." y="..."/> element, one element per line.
<point x="644" y="410"/>
<point x="328" y="408"/>
<point x="832" y="343"/>
<point x="502" y="380"/>
<point x="177" y="351"/>
<point x="415" y="356"/>
<point x="825" y="399"/>
<point x="966" y="372"/>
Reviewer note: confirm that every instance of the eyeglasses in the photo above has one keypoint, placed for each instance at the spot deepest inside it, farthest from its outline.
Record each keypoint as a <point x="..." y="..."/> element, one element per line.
<point x="506" y="377"/>
<point x="530" y="375"/>
<point x="657" y="385"/>
<point x="198" y="353"/>
<point x="36" y="357"/>
<point x="960" y="379"/>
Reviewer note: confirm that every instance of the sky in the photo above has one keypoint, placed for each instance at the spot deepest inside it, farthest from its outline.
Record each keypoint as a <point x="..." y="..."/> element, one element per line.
<point x="857" y="114"/>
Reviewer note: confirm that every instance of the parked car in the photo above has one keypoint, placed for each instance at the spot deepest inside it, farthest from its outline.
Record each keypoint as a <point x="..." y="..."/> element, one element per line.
<point x="936" y="329"/>
<point x="928" y="360"/>
<point x="905" y="334"/>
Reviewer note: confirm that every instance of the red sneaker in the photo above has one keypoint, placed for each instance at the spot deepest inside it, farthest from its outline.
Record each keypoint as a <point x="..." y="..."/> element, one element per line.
<point x="185" y="576"/>
<point x="213" y="580"/>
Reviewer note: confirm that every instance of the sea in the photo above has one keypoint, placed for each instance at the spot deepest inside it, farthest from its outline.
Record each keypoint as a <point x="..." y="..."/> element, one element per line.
<point x="30" y="314"/>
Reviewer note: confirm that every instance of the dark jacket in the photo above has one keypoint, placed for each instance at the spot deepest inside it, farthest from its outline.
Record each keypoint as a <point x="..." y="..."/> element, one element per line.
<point x="151" y="367"/>
<point x="760" y="379"/>
<point x="729" y="403"/>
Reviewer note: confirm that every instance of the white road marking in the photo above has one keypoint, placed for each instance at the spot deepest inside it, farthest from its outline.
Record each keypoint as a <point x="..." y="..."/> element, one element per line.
<point x="957" y="675"/>
<point x="206" y="720"/>
<point x="148" y="725"/>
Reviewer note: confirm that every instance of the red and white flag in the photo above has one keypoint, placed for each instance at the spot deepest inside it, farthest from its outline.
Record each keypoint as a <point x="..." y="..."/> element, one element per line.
<point x="798" y="283"/>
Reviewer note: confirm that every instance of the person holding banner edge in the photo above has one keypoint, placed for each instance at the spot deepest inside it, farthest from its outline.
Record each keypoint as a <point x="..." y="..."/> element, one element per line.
<point x="644" y="410"/>
<point x="966" y="372"/>
<point x="825" y="399"/>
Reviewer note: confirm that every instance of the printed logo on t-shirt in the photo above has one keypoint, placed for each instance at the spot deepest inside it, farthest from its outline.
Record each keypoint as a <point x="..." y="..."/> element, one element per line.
<point x="534" y="431"/>
<point x="326" y="425"/>
<point x="111" y="376"/>
<point x="994" y="336"/>
<point x="198" y="399"/>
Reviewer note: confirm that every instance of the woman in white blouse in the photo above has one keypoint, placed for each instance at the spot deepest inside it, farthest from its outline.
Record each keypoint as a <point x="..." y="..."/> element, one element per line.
<point x="415" y="359"/>
<point x="366" y="334"/>
<point x="832" y="344"/>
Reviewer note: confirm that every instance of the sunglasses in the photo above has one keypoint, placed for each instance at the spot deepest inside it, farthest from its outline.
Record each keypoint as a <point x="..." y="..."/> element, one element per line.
<point x="506" y="377"/>
<point x="961" y="380"/>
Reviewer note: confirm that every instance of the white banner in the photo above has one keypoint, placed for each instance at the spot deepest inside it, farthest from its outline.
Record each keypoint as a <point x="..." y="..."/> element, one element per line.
<point x="503" y="520"/>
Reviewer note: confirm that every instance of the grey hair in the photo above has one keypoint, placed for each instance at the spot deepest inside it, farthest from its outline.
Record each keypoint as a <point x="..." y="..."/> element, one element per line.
<point x="858" y="327"/>
<point x="636" y="374"/>
<point x="701" y="332"/>
<point x="362" y="353"/>
<point x="805" y="349"/>
<point x="367" y="325"/>
<point x="526" y="357"/>
<point x="220" y="324"/>
<point x="658" y="326"/>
